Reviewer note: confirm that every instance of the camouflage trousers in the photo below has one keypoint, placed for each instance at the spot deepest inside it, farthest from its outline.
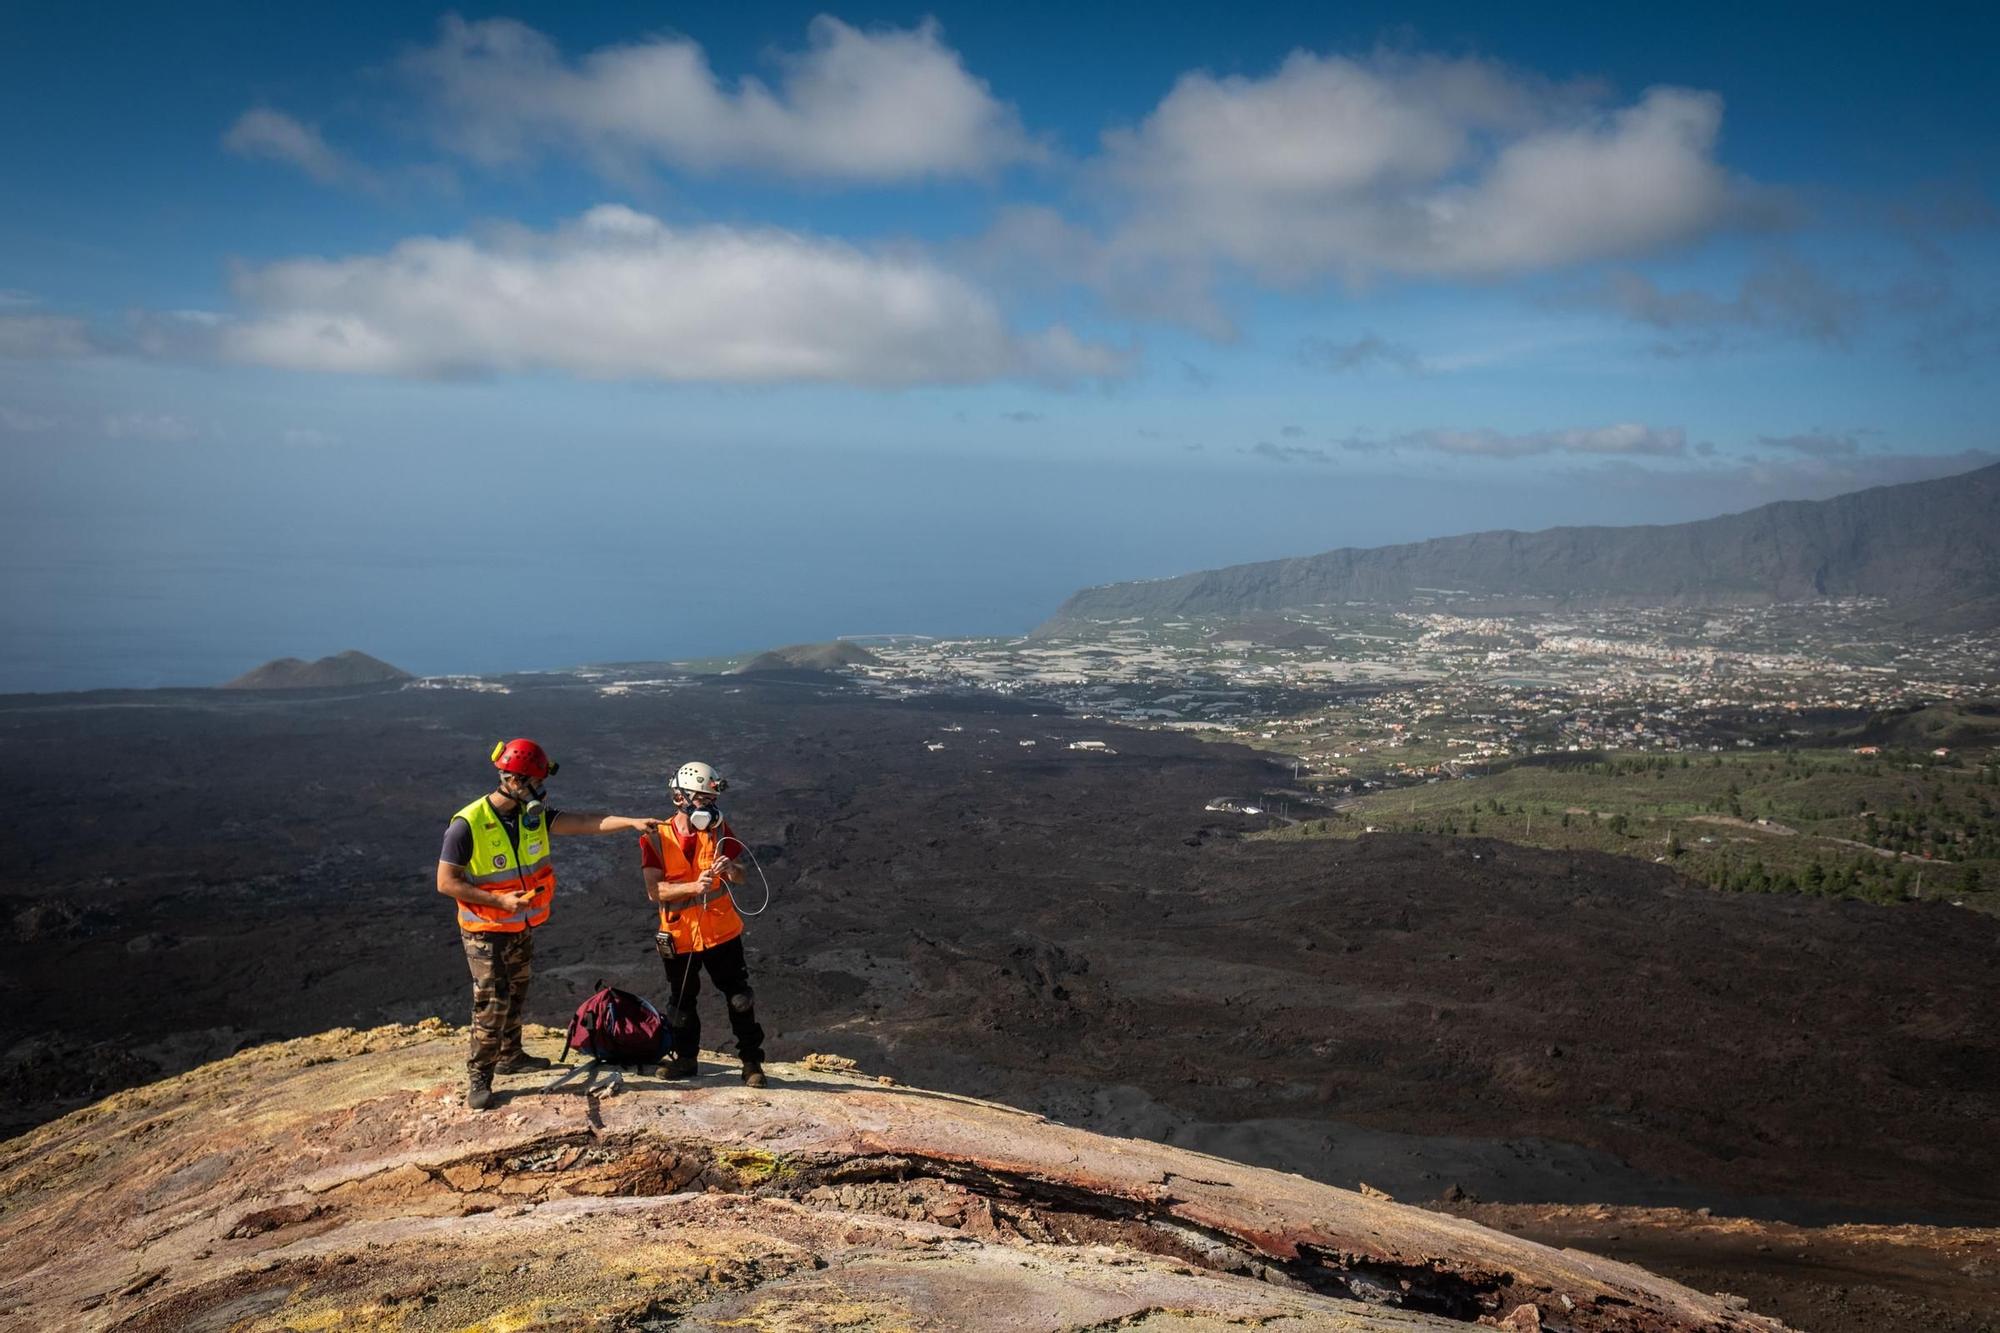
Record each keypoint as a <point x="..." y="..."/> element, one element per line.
<point x="502" y="964"/>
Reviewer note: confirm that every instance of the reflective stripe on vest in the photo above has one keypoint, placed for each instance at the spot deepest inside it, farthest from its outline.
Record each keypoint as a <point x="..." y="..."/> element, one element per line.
<point x="497" y="867"/>
<point x="705" y="921"/>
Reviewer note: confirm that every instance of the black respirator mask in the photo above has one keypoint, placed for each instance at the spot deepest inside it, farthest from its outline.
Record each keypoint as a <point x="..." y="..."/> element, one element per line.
<point x="531" y="808"/>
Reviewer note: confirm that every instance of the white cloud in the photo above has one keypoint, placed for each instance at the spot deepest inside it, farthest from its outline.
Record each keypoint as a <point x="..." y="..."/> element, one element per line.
<point x="35" y="336"/>
<point x="14" y="421"/>
<point x="1035" y="248"/>
<point x="275" y="136"/>
<point x="1624" y="439"/>
<point x="1639" y="181"/>
<point x="1732" y="485"/>
<point x="1288" y="453"/>
<point x="1355" y="168"/>
<point x="1319" y="126"/>
<point x="1779" y="294"/>
<point x="620" y="294"/>
<point x="153" y="427"/>
<point x="1358" y="354"/>
<point x="878" y="105"/>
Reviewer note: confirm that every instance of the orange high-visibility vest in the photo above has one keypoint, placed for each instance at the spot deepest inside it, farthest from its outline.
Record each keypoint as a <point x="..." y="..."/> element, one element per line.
<point x="498" y="868"/>
<point x="710" y="919"/>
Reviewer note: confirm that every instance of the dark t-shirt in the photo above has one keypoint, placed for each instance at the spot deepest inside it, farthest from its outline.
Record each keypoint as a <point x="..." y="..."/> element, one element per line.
<point x="457" y="849"/>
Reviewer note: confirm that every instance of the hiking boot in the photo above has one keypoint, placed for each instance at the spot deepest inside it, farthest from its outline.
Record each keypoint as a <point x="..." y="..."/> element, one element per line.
<point x="520" y="1062"/>
<point x="479" y="1091"/>
<point x="753" y="1074"/>
<point x="680" y="1066"/>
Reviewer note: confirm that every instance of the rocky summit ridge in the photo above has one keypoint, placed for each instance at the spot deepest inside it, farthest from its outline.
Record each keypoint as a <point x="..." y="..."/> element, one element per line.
<point x="1932" y="548"/>
<point x="339" y="1181"/>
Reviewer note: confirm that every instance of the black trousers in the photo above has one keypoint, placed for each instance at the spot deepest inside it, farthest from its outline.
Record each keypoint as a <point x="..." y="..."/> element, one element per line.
<point x="730" y="971"/>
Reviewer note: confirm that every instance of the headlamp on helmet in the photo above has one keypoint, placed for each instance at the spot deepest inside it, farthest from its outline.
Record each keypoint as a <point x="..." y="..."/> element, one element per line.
<point x="699" y="779"/>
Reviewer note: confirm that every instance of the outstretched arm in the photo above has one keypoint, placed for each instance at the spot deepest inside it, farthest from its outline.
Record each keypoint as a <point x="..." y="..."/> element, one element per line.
<point x="569" y="822"/>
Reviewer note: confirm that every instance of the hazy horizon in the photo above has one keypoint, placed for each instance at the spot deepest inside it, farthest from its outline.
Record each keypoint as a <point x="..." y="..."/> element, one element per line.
<point x="798" y="548"/>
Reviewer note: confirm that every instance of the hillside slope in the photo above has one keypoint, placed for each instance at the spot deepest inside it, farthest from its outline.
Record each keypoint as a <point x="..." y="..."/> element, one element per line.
<point x="290" y="673"/>
<point x="338" y="1181"/>
<point x="811" y="657"/>
<point x="1932" y="547"/>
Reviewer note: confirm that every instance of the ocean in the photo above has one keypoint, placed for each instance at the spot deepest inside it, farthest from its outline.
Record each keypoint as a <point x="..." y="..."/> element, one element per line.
<point x="173" y="569"/>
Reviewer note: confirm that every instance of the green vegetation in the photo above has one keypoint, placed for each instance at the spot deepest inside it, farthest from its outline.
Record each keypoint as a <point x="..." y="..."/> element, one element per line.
<point x="1952" y="723"/>
<point x="1888" y="827"/>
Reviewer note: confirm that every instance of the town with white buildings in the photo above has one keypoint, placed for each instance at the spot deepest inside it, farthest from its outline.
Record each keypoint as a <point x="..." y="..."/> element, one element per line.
<point x="1369" y="692"/>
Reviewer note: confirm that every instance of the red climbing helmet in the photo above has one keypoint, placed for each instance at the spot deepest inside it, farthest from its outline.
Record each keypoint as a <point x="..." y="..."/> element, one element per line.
<point x="524" y="757"/>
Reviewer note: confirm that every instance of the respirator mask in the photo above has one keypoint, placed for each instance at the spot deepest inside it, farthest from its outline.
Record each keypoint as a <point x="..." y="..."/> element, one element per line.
<point x="701" y="818"/>
<point x="530" y="796"/>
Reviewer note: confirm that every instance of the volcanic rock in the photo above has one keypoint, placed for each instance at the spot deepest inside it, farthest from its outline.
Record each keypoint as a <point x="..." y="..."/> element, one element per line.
<point x="339" y="1180"/>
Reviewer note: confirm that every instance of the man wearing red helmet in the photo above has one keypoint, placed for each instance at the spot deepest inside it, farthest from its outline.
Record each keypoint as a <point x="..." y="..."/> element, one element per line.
<point x="495" y="864"/>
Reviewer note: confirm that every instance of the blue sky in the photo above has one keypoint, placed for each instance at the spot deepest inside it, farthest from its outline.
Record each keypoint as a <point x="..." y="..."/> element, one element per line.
<point x="1345" y="275"/>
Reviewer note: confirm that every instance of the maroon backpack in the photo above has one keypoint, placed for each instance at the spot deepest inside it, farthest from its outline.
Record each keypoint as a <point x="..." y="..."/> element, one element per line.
<point x="619" y="1028"/>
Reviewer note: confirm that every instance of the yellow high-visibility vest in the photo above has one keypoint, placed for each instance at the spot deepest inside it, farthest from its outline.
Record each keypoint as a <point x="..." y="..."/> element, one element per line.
<point x="498" y="868"/>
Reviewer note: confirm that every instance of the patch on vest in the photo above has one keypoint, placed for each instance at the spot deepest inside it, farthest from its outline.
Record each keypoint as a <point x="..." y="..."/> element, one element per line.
<point x="500" y="861"/>
<point x="533" y="848"/>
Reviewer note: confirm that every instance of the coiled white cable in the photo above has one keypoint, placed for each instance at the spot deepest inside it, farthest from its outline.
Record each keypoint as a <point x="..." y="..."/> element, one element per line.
<point x="721" y="849"/>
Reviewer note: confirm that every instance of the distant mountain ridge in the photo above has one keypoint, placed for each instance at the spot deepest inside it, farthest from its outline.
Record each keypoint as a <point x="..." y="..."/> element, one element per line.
<point x="290" y="673"/>
<point x="1932" y="547"/>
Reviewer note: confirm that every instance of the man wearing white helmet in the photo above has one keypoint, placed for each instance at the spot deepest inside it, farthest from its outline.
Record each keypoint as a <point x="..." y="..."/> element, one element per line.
<point x="688" y="863"/>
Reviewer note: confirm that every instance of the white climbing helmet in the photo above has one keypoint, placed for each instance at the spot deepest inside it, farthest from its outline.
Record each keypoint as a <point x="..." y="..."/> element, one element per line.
<point x="697" y="778"/>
